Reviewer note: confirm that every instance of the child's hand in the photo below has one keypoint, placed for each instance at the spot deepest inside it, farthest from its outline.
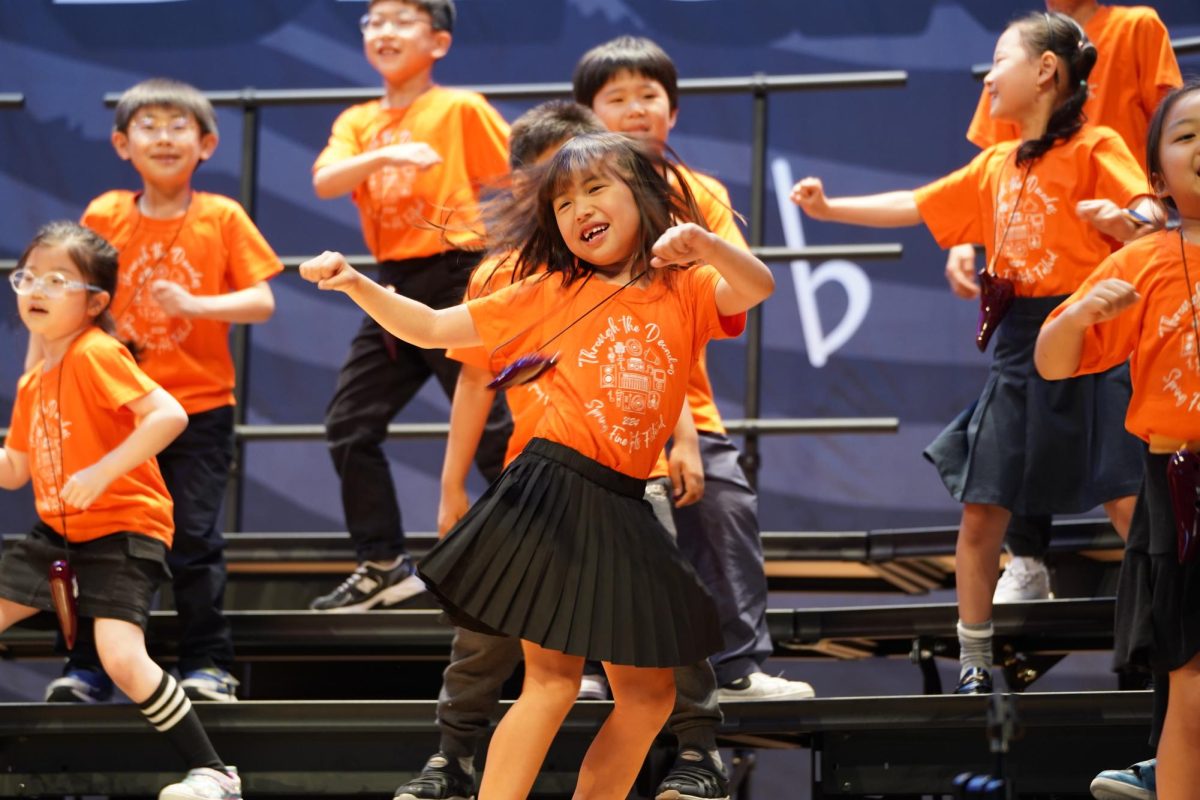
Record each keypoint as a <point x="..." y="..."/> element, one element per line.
<point x="960" y="271"/>
<point x="173" y="299"/>
<point x="418" y="154"/>
<point x="330" y="271"/>
<point x="681" y="244"/>
<point x="1112" y="220"/>
<point x="452" y="507"/>
<point x="809" y="194"/>
<point x="686" y="470"/>
<point x="82" y="488"/>
<point x="1106" y="300"/>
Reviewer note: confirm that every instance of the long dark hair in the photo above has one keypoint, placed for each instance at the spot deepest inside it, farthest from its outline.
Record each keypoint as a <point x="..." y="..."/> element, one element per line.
<point x="522" y="221"/>
<point x="90" y="252"/>
<point x="1154" y="136"/>
<point x="1059" y="34"/>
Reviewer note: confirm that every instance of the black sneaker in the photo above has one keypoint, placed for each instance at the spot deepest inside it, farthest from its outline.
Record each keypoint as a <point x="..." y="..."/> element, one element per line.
<point x="975" y="680"/>
<point x="440" y="779"/>
<point x="695" y="776"/>
<point x="373" y="584"/>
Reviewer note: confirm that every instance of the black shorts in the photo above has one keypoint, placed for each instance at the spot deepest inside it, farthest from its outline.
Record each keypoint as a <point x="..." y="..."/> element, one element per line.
<point x="118" y="574"/>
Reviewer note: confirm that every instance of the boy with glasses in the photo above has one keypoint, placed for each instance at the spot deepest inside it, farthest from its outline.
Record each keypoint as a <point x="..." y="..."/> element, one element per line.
<point x="413" y="163"/>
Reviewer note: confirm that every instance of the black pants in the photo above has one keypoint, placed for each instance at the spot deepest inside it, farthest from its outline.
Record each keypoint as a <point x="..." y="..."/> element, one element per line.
<point x="1029" y="536"/>
<point x="380" y="376"/>
<point x="195" y="468"/>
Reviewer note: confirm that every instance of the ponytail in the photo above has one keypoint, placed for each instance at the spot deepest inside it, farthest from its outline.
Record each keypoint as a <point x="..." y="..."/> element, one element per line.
<point x="1063" y="36"/>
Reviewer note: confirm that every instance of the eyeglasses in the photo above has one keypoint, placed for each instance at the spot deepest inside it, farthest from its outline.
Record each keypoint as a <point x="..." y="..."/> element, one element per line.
<point x="372" y="24"/>
<point x="52" y="284"/>
<point x="151" y="128"/>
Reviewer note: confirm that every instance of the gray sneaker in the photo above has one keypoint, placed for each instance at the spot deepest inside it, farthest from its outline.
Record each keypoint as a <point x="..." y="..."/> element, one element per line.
<point x="205" y="784"/>
<point x="373" y="584"/>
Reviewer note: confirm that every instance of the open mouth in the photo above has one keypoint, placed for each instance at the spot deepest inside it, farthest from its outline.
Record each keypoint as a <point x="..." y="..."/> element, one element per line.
<point x="593" y="232"/>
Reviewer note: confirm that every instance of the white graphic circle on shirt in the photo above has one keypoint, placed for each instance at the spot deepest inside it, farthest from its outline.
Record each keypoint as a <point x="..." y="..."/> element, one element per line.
<point x="1025" y="258"/>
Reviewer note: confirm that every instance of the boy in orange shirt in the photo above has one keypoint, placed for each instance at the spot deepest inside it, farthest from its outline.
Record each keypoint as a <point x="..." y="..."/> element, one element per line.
<point x="631" y="84"/>
<point x="191" y="264"/>
<point x="413" y="163"/>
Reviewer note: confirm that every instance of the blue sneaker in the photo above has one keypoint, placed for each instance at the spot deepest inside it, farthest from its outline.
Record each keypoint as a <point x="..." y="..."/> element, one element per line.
<point x="210" y="683"/>
<point x="1120" y="784"/>
<point x="80" y="686"/>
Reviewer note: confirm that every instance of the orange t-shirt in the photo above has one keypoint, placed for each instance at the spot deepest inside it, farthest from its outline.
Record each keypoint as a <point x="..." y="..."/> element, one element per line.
<point x="213" y="249"/>
<point x="712" y="198"/>
<point x="1047" y="249"/>
<point x="616" y="393"/>
<point x="84" y="399"/>
<point x="397" y="204"/>
<point x="1157" y="335"/>
<point x="1135" y="67"/>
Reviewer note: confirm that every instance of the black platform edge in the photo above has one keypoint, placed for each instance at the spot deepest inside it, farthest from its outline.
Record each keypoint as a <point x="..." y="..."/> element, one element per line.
<point x="863" y="546"/>
<point x="1037" y="626"/>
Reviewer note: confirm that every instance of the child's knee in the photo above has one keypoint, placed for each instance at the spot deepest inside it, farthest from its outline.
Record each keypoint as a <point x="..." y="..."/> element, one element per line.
<point x="652" y="692"/>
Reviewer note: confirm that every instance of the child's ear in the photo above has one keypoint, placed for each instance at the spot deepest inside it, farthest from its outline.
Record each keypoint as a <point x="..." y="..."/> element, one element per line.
<point x="1047" y="77"/>
<point x="208" y="145"/>
<point x="97" y="303"/>
<point x="441" y="44"/>
<point x="120" y="143"/>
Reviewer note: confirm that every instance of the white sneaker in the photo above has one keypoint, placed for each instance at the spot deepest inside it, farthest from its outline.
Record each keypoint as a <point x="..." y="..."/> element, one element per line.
<point x="1025" y="579"/>
<point x="761" y="686"/>
<point x="205" y="784"/>
<point x="593" y="687"/>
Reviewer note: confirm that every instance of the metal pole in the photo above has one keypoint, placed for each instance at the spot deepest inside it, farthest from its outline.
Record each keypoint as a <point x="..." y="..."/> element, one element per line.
<point x="750" y="459"/>
<point x="240" y="343"/>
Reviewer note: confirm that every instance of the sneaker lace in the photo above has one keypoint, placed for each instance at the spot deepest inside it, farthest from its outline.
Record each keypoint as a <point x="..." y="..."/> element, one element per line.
<point x="1019" y="575"/>
<point x="359" y="573"/>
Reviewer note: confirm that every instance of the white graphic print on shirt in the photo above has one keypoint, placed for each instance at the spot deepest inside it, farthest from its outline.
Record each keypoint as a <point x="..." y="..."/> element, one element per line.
<point x="633" y="364"/>
<point x="47" y="453"/>
<point x="142" y="320"/>
<point x="1025" y="257"/>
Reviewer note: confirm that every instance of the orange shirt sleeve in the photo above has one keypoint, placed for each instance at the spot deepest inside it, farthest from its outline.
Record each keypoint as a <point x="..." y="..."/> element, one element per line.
<point x="119" y="381"/>
<point x="1157" y="68"/>
<point x="251" y="259"/>
<point x="952" y="208"/>
<point x="344" y="140"/>
<point x="18" y="428"/>
<point x="1119" y="176"/>
<point x="713" y="200"/>
<point x="1109" y="343"/>
<point x="487" y="133"/>
<point x="701" y="283"/>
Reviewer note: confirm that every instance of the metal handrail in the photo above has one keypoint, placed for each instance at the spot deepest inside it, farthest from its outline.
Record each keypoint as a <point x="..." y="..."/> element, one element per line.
<point x="523" y="91"/>
<point x="860" y="252"/>
<point x="11" y="100"/>
<point x="1183" y="46"/>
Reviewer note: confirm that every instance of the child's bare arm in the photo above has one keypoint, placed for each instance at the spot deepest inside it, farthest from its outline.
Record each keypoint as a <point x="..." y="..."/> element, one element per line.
<point x="403" y="317"/>
<point x="886" y="210"/>
<point x="1060" y="343"/>
<point x="745" y="280"/>
<point x="14" y="468"/>
<point x="684" y="463"/>
<point x="468" y="417"/>
<point x="160" y="419"/>
<point x="343" y="177"/>
<point x="244" y="307"/>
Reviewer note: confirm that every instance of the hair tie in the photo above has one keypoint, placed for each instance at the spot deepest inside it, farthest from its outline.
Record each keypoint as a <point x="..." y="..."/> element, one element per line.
<point x="1083" y="83"/>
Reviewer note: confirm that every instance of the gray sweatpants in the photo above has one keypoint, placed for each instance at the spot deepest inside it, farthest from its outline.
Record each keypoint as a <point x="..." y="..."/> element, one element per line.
<point x="480" y="664"/>
<point x="719" y="536"/>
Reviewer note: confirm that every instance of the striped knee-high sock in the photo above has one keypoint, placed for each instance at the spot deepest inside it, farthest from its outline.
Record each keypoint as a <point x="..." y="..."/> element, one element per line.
<point x="170" y="712"/>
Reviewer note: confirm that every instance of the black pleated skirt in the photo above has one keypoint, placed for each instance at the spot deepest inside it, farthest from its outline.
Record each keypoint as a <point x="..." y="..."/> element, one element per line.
<point x="565" y="552"/>
<point x="1035" y="446"/>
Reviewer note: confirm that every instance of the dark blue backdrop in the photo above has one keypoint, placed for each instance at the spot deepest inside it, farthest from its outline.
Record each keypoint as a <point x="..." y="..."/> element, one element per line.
<point x="870" y="339"/>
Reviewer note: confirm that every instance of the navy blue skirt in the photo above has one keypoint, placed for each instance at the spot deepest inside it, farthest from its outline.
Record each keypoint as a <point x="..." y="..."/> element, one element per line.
<point x="564" y="552"/>
<point x="1035" y="446"/>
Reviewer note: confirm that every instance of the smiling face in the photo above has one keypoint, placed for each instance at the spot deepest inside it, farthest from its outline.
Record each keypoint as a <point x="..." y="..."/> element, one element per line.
<point x="399" y="41"/>
<point x="164" y="144"/>
<point x="598" y="218"/>
<point x="1013" y="79"/>
<point x="1177" y="173"/>
<point x="62" y="317"/>
<point x="637" y="106"/>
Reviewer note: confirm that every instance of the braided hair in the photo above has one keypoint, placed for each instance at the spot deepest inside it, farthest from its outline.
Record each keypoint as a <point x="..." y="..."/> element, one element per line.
<point x="1059" y="34"/>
